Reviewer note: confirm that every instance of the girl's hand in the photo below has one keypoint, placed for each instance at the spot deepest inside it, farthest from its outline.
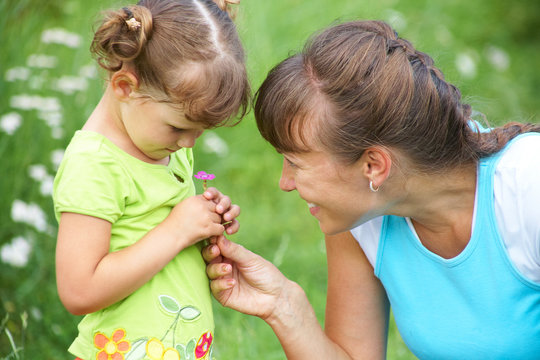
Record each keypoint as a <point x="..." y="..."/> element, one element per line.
<point x="243" y="280"/>
<point x="228" y="211"/>
<point x="193" y="220"/>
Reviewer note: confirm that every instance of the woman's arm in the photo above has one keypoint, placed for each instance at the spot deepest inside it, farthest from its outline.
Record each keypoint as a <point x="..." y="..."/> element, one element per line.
<point x="357" y="307"/>
<point x="248" y="283"/>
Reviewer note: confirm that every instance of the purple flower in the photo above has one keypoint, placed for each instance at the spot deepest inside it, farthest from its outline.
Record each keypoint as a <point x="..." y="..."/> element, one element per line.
<point x="202" y="175"/>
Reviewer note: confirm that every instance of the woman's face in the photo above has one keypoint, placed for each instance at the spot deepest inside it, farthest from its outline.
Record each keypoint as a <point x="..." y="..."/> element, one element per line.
<point x="337" y="195"/>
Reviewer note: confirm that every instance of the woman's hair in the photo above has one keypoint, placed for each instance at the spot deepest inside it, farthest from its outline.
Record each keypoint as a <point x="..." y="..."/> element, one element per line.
<point x="358" y="84"/>
<point x="185" y="52"/>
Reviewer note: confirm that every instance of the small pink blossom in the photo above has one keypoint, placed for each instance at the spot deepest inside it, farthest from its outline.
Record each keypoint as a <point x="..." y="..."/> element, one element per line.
<point x="202" y="175"/>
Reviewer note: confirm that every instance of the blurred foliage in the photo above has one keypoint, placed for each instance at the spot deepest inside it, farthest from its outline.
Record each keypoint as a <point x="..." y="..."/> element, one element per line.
<point x="274" y="224"/>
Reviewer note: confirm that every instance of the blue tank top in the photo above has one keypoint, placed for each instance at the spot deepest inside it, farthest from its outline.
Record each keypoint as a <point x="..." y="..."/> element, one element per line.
<point x="473" y="306"/>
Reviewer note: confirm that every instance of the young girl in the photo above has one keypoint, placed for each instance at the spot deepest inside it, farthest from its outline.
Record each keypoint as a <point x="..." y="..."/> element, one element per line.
<point x="130" y="224"/>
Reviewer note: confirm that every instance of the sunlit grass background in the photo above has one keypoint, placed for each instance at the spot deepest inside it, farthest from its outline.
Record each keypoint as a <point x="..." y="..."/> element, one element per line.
<point x="49" y="85"/>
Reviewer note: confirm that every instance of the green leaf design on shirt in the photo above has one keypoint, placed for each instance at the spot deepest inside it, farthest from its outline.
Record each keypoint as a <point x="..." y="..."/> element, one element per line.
<point x="189" y="313"/>
<point x="169" y="304"/>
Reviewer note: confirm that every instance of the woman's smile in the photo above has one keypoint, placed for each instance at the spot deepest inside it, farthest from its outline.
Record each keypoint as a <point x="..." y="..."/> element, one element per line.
<point x="313" y="209"/>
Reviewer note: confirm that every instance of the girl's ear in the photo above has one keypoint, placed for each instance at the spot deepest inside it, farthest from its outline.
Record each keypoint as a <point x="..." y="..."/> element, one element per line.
<point x="377" y="162"/>
<point x="124" y="83"/>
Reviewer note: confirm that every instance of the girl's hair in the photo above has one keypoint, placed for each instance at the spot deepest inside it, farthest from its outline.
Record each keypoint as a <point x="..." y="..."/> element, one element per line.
<point x="184" y="52"/>
<point x="358" y="84"/>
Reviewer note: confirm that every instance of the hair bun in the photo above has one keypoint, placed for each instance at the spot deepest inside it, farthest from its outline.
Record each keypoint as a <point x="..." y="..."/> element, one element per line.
<point x="122" y="36"/>
<point x="224" y="5"/>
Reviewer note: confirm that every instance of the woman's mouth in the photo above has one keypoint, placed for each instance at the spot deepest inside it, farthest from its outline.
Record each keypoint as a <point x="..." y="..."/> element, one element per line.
<point x="313" y="209"/>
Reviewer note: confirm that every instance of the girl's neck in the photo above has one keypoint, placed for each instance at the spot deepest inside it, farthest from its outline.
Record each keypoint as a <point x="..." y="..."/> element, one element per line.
<point x="106" y="119"/>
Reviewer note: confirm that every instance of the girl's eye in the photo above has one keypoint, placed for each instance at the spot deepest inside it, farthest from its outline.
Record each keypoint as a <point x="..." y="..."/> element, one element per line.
<point x="175" y="129"/>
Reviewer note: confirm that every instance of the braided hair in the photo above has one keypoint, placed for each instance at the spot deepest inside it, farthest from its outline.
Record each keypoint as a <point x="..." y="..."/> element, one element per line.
<point x="359" y="84"/>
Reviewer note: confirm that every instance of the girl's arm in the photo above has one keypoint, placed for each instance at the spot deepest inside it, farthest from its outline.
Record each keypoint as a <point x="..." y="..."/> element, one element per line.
<point x="89" y="277"/>
<point x="246" y="282"/>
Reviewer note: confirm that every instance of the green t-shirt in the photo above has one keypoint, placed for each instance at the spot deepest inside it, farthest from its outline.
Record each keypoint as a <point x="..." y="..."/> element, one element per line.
<point x="169" y="317"/>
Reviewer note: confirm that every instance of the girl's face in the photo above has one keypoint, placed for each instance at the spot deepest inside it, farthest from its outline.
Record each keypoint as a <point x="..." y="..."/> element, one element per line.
<point x="336" y="194"/>
<point x="159" y="129"/>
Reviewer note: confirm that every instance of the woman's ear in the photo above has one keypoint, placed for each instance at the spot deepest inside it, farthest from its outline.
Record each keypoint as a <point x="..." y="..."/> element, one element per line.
<point x="377" y="162"/>
<point x="124" y="83"/>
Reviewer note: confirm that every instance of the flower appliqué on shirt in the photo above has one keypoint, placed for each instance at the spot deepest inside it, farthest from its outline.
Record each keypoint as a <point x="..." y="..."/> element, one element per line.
<point x="112" y="348"/>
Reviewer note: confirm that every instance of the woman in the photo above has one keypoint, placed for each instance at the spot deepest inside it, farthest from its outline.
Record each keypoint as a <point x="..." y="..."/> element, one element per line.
<point x="422" y="209"/>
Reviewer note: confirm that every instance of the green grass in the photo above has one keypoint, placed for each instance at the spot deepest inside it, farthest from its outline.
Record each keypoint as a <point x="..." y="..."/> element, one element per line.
<point x="33" y="323"/>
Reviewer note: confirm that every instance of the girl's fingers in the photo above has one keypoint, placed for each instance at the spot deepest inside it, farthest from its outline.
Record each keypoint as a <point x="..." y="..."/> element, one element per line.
<point x="232" y="227"/>
<point x="223" y="204"/>
<point x="232" y="213"/>
<point x="211" y="193"/>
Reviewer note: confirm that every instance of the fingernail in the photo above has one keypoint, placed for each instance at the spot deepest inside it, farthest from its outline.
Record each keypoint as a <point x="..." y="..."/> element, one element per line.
<point x="226" y="268"/>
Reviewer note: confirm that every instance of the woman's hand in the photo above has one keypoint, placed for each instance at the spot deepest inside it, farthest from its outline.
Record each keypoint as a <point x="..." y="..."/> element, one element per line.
<point x="250" y="284"/>
<point x="228" y="211"/>
<point x="243" y="280"/>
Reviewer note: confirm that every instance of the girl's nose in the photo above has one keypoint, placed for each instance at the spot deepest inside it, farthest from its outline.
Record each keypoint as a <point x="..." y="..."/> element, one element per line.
<point x="188" y="139"/>
<point x="286" y="182"/>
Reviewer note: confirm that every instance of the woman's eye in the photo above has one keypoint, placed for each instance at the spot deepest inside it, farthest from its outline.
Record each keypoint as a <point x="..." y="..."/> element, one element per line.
<point x="291" y="164"/>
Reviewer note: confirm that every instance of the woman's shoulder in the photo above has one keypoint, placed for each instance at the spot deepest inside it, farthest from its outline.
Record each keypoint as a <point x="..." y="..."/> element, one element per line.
<point x="519" y="165"/>
<point x="368" y="235"/>
<point x="516" y="198"/>
<point x="521" y="150"/>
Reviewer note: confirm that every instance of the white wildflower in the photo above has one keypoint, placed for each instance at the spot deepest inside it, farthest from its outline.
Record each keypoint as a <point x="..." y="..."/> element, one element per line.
<point x="443" y="35"/>
<point x="17" y="252"/>
<point x="30" y="214"/>
<point x="56" y="329"/>
<point x="89" y="71"/>
<point x="214" y="144"/>
<point x="70" y="84"/>
<point x="38" y="172"/>
<point x="42" y="61"/>
<point x="498" y="58"/>
<point x="62" y="37"/>
<point x="10" y="122"/>
<point x="56" y="157"/>
<point x="17" y="73"/>
<point x="37" y="82"/>
<point x="57" y="133"/>
<point x="51" y="118"/>
<point x="396" y="19"/>
<point x="36" y="313"/>
<point x="466" y="65"/>
<point x="30" y="102"/>
<point x="46" y="186"/>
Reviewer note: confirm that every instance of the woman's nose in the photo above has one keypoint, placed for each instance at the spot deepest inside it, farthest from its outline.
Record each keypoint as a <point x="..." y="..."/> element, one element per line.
<point x="286" y="182"/>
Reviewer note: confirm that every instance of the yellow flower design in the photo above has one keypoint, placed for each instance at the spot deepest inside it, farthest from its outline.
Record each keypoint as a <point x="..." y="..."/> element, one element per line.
<point x="112" y="348"/>
<point x="156" y="351"/>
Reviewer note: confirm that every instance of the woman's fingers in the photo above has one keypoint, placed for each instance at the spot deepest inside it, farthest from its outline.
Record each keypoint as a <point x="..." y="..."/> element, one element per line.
<point x="218" y="270"/>
<point x="212" y="254"/>
<point x="219" y="285"/>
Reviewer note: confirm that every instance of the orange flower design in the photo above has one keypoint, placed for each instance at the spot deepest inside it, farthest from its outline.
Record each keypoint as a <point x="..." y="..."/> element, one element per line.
<point x="112" y="348"/>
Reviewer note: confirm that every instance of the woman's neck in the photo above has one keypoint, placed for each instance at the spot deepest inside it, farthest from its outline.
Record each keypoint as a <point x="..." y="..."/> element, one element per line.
<point x="441" y="208"/>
